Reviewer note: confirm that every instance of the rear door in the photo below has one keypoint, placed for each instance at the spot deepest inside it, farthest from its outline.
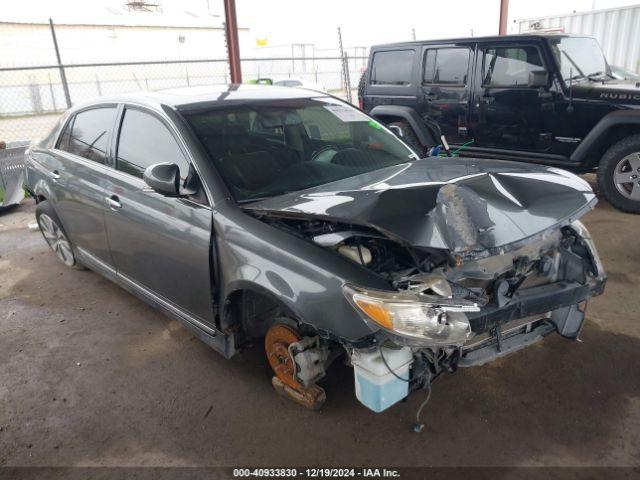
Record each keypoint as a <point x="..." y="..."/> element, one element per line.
<point x="77" y="173"/>
<point x="445" y="87"/>
<point x="160" y="243"/>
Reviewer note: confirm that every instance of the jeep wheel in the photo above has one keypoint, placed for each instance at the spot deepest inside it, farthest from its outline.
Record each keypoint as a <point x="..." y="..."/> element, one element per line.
<point x="409" y="137"/>
<point x="619" y="175"/>
<point x="55" y="235"/>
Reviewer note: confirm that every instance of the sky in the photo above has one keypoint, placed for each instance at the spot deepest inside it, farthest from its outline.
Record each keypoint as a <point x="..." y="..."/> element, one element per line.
<point x="363" y="22"/>
<point x="367" y="22"/>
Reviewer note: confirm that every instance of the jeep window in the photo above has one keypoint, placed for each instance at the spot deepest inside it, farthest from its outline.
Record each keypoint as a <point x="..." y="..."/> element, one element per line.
<point x="143" y="141"/>
<point x="578" y="57"/>
<point x="446" y="66"/>
<point x="89" y="134"/>
<point x="510" y="66"/>
<point x="273" y="147"/>
<point x="392" y="68"/>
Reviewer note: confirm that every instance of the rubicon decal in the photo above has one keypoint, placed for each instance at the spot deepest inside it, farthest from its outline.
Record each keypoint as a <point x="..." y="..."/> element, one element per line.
<point x="620" y="96"/>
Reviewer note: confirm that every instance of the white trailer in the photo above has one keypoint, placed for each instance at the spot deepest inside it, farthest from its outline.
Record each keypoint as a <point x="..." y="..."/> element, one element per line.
<point x="617" y="30"/>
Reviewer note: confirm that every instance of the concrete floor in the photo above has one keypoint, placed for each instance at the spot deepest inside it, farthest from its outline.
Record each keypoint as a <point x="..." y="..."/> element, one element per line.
<point x="90" y="375"/>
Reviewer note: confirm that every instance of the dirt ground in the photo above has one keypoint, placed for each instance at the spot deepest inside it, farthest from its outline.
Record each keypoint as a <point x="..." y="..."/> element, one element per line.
<point x="91" y="376"/>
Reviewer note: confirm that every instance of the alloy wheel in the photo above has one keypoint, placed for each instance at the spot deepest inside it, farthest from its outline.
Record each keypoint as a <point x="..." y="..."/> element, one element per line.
<point x="56" y="239"/>
<point x="626" y="176"/>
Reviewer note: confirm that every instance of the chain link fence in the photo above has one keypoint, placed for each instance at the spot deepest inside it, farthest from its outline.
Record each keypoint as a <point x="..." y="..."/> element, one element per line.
<point x="33" y="97"/>
<point x="37" y="85"/>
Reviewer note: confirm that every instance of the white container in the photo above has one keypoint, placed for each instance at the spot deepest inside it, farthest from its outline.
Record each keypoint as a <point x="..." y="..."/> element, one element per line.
<point x="378" y="388"/>
<point x="616" y="29"/>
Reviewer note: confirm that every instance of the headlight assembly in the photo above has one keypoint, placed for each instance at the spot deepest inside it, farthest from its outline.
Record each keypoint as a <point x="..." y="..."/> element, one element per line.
<point x="435" y="320"/>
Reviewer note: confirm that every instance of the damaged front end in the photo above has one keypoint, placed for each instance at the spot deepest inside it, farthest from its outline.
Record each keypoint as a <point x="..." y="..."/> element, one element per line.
<point x="476" y="269"/>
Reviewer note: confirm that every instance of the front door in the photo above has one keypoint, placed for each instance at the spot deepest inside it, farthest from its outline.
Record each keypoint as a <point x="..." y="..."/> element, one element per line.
<point x="162" y="244"/>
<point x="445" y="90"/>
<point x="507" y="113"/>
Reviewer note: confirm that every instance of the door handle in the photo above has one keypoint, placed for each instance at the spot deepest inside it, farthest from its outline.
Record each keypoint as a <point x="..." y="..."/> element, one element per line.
<point x="54" y="175"/>
<point x="113" y="202"/>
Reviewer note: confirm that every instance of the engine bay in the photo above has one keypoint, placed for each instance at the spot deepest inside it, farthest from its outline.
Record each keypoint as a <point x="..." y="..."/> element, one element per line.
<point x="561" y="255"/>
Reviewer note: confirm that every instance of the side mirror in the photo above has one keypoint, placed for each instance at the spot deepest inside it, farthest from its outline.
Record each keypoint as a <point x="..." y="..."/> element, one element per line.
<point x="163" y="178"/>
<point x="538" y="79"/>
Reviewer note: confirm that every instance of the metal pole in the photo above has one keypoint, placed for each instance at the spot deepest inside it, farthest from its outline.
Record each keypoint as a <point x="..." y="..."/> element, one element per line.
<point x="504" y="14"/>
<point x="345" y="73"/>
<point x="63" y="76"/>
<point x="233" y="45"/>
<point x="347" y="78"/>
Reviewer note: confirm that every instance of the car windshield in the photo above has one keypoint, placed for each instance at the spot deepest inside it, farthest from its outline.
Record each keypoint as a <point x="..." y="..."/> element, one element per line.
<point x="578" y="57"/>
<point x="271" y="147"/>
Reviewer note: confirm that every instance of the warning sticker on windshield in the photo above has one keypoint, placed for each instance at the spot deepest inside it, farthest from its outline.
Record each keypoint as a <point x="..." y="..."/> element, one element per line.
<point x="347" y="114"/>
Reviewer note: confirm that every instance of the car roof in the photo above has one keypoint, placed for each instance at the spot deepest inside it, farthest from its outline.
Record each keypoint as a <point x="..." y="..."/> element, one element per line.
<point x="498" y="38"/>
<point x="188" y="97"/>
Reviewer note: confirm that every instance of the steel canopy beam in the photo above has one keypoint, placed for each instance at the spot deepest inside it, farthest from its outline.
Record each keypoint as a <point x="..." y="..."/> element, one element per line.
<point x="233" y="46"/>
<point x="504" y="14"/>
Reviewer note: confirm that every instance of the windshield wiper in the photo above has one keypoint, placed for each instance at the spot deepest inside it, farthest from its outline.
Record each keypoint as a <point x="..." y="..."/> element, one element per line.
<point x="603" y="76"/>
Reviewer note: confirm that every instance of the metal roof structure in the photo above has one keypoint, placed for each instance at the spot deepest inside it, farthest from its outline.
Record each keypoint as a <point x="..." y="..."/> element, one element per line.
<point x="113" y="16"/>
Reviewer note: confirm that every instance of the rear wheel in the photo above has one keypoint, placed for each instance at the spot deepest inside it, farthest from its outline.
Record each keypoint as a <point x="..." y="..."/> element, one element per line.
<point x="619" y="175"/>
<point x="409" y="136"/>
<point x="55" y="235"/>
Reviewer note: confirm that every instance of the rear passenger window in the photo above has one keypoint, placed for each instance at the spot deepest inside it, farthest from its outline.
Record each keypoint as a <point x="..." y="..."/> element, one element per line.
<point x="392" y="68"/>
<point x="88" y="133"/>
<point x="145" y="140"/>
<point x="446" y="66"/>
<point x="510" y="66"/>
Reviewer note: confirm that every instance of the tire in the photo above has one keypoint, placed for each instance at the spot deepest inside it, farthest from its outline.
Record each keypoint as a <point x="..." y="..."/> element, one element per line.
<point x="619" y="175"/>
<point x="409" y="136"/>
<point x="361" y="86"/>
<point x="55" y="236"/>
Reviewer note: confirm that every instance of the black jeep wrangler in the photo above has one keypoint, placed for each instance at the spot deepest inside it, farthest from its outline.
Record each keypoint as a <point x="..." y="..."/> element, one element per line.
<point x="547" y="99"/>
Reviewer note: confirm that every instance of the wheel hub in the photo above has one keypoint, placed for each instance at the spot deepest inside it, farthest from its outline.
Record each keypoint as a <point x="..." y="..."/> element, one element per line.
<point x="276" y="344"/>
<point x="56" y="239"/>
<point x="627" y="176"/>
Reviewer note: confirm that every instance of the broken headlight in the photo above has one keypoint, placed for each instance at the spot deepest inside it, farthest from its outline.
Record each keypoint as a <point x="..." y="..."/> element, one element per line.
<point x="440" y="321"/>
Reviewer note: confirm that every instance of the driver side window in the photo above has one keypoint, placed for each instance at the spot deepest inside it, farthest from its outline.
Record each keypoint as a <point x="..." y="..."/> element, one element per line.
<point x="510" y="66"/>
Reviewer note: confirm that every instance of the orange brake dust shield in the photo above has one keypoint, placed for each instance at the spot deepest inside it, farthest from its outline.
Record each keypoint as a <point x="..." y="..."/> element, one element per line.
<point x="276" y="345"/>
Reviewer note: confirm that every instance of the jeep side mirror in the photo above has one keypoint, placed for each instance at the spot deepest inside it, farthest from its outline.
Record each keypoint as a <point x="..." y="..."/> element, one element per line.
<point x="538" y="79"/>
<point x="163" y="178"/>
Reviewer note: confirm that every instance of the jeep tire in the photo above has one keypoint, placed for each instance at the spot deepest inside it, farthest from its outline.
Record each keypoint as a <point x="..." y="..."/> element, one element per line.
<point x="619" y="174"/>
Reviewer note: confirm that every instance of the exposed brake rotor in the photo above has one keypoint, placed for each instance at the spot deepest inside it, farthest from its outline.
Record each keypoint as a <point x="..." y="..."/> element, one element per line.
<point x="276" y="345"/>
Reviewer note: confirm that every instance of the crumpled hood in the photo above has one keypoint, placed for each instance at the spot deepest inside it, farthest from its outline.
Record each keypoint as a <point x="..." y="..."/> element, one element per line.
<point x="464" y="205"/>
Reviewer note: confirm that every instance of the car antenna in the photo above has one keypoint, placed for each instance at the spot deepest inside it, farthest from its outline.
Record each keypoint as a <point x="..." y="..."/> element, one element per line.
<point x="570" y="106"/>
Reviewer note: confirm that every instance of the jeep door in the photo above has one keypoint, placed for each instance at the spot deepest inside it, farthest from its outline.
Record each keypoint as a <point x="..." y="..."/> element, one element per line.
<point x="160" y="245"/>
<point x="445" y="88"/>
<point x="508" y="114"/>
<point x="76" y="167"/>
